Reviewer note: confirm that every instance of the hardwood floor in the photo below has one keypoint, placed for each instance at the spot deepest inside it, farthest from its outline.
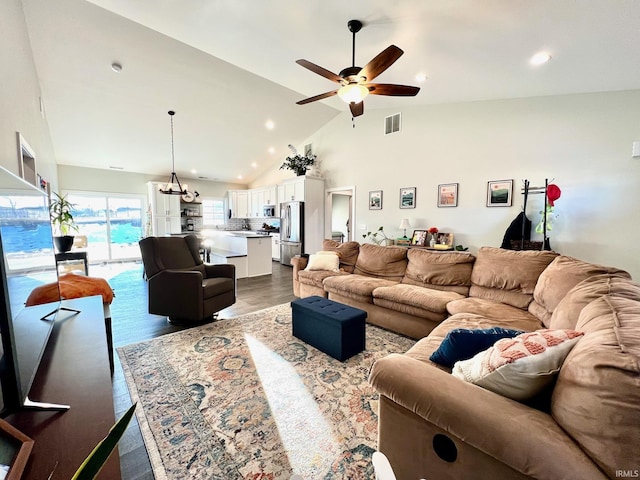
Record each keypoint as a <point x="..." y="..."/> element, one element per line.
<point x="132" y="323"/>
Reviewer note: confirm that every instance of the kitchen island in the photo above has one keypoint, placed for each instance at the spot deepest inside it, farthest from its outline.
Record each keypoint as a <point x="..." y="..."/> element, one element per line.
<point x="249" y="251"/>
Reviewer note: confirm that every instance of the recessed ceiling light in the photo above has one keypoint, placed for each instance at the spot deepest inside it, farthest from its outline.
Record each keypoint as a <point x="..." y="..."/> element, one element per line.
<point x="270" y="125"/>
<point x="421" y="77"/>
<point x="540" y="58"/>
<point x="116" y="67"/>
<point x="194" y="171"/>
<point x="254" y="165"/>
<point x="272" y="150"/>
<point x="239" y="177"/>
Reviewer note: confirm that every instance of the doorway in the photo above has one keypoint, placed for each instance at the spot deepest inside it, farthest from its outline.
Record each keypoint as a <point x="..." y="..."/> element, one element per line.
<point x="340" y="208"/>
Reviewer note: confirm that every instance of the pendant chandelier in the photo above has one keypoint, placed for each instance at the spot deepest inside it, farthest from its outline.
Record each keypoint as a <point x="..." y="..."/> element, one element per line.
<point x="173" y="186"/>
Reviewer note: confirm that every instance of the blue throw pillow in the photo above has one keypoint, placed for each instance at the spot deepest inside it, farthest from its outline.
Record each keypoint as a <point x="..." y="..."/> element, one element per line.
<point x="462" y="343"/>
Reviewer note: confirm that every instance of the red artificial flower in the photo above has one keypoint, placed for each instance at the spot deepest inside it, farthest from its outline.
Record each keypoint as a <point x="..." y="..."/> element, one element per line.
<point x="433" y="230"/>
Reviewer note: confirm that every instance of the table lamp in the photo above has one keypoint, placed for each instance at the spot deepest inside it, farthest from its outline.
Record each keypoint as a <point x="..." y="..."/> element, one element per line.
<point x="404" y="224"/>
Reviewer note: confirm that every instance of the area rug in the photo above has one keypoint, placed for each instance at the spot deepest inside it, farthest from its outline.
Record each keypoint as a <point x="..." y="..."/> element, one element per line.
<point x="244" y="399"/>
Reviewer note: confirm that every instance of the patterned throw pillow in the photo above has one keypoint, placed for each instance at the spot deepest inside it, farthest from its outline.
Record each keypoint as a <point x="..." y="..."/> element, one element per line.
<point x="463" y="343"/>
<point x="519" y="367"/>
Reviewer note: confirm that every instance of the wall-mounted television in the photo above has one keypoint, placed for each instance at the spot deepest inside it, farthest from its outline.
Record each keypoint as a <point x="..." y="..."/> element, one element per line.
<point x="27" y="260"/>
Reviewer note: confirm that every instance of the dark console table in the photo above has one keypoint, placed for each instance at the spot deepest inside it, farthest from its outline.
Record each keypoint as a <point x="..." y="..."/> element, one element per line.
<point x="74" y="371"/>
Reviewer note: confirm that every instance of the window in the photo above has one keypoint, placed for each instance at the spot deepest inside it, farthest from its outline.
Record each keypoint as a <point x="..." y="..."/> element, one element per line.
<point x="212" y="212"/>
<point x="111" y="222"/>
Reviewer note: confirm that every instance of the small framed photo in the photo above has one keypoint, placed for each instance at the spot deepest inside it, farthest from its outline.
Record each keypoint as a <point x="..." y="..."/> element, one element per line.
<point x="448" y="195"/>
<point x="408" y="197"/>
<point x="419" y="238"/>
<point x="499" y="193"/>
<point x="375" y="200"/>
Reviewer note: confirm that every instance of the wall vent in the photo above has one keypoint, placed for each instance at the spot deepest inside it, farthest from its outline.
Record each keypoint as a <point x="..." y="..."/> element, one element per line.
<point x="392" y="124"/>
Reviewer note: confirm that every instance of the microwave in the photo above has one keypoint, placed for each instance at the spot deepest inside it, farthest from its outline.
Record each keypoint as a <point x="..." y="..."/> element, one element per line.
<point x="269" y="211"/>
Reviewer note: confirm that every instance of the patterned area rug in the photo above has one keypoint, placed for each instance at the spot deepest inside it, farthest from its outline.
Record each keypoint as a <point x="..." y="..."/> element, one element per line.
<point x="244" y="399"/>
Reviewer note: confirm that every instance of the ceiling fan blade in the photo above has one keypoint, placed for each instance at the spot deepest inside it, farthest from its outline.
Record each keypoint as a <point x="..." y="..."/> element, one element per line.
<point x="319" y="70"/>
<point x="392" y="90"/>
<point x="381" y="62"/>
<point x="317" y="97"/>
<point x="357" y="109"/>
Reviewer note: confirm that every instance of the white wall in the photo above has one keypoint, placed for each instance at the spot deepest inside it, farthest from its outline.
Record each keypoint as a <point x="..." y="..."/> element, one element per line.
<point x="20" y="96"/>
<point x="582" y="143"/>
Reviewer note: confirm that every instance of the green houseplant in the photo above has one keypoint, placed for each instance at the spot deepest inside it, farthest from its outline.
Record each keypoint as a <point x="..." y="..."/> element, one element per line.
<point x="299" y="164"/>
<point x="62" y="221"/>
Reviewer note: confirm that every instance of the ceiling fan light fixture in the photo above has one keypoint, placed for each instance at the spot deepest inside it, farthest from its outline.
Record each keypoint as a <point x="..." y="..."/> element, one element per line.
<point x="353" y="93"/>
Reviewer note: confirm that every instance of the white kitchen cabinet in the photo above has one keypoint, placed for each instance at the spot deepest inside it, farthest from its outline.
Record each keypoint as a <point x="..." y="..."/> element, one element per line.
<point x="275" y="246"/>
<point x="270" y="195"/>
<point x="165" y="211"/>
<point x="239" y="203"/>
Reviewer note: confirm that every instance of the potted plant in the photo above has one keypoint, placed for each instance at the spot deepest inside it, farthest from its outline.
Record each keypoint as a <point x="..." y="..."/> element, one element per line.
<point x="378" y="237"/>
<point x="62" y="220"/>
<point x="299" y="164"/>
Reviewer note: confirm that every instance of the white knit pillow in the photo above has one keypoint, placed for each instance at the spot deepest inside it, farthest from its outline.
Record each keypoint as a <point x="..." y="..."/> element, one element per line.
<point x="323" y="261"/>
<point x="519" y="367"/>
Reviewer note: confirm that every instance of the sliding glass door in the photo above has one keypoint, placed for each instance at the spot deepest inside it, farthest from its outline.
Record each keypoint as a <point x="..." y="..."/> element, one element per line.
<point x="112" y="224"/>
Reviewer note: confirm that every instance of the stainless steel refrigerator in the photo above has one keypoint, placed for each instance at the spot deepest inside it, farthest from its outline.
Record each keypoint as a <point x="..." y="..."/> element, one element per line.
<point x="291" y="231"/>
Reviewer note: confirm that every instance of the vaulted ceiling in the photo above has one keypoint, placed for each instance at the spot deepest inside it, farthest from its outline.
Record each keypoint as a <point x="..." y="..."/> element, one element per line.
<point x="227" y="67"/>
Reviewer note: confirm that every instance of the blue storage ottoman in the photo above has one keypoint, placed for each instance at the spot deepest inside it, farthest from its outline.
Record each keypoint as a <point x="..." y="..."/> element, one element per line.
<point x="333" y="328"/>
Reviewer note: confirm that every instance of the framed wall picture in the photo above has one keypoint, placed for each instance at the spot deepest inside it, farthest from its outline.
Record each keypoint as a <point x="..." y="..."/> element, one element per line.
<point x="448" y="195"/>
<point x="499" y="193"/>
<point x="375" y="200"/>
<point x="419" y="238"/>
<point x="408" y="197"/>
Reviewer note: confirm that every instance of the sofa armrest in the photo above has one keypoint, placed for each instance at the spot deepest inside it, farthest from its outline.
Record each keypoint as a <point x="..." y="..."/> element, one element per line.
<point x="299" y="263"/>
<point x="526" y="439"/>
<point x="227" y="270"/>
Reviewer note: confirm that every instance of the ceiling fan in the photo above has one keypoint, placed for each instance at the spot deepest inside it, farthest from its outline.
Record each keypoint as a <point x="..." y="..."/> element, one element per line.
<point x="355" y="81"/>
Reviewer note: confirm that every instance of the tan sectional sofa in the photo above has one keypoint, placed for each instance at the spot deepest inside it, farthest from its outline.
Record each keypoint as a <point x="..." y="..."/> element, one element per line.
<point x="433" y="425"/>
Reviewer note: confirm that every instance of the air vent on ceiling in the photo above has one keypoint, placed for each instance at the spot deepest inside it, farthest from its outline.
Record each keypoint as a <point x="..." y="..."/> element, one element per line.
<point x="392" y="124"/>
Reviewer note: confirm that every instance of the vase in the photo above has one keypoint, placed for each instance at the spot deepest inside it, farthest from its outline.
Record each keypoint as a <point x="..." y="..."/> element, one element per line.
<point x="432" y="241"/>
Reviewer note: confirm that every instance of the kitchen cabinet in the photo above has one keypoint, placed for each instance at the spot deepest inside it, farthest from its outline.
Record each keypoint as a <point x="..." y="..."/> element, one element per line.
<point x="275" y="246"/>
<point x="250" y="203"/>
<point x="270" y="195"/>
<point x="239" y="203"/>
<point x="165" y="211"/>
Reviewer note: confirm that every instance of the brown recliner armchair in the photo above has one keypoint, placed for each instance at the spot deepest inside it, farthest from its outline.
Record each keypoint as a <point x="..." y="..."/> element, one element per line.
<point x="181" y="286"/>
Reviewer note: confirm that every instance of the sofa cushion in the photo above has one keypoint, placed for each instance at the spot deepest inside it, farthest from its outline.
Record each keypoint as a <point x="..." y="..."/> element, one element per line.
<point x="358" y="287"/>
<point x="323" y="261"/>
<point x="347" y="251"/>
<point x="508" y="276"/>
<point x="389" y="263"/>
<point x="520" y="367"/>
<point x="432" y="300"/>
<point x="559" y="277"/>
<point x="451" y="271"/>
<point x="597" y="395"/>
<point x="316" y="277"/>
<point x="499" y="313"/>
<point x="464" y="343"/>
<point x="567" y="312"/>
